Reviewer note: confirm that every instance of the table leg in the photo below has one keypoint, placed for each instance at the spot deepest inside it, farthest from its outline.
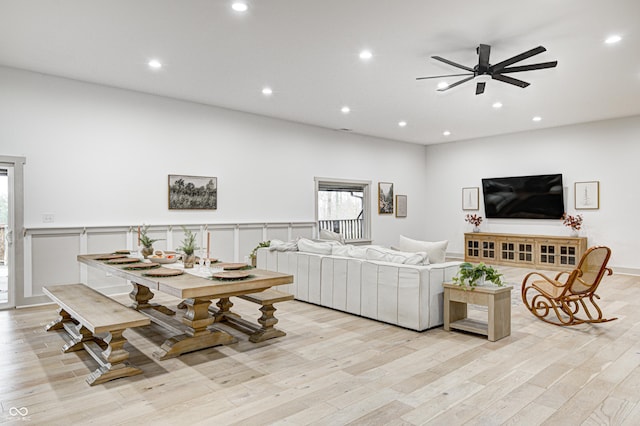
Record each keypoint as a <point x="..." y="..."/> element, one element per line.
<point x="196" y="335"/>
<point x="223" y="311"/>
<point x="499" y="316"/>
<point x="141" y="295"/>
<point x="267" y="321"/>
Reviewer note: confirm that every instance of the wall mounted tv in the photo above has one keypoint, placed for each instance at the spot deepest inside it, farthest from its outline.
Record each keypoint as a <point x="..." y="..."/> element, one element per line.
<point x="524" y="197"/>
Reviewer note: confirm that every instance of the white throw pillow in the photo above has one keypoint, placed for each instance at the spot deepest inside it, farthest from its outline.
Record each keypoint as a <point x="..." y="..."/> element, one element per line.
<point x="436" y="251"/>
<point x="358" y="252"/>
<point x="309" y="246"/>
<point x="331" y="236"/>
<point x="393" y="256"/>
<point x="342" y="251"/>
<point x="279" y="245"/>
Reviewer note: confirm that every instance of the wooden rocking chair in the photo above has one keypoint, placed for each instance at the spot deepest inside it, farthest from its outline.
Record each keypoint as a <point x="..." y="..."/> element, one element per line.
<point x="564" y="299"/>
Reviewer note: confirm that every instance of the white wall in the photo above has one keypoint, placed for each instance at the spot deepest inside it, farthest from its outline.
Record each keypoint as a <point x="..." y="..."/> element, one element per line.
<point x="605" y="151"/>
<point x="100" y="156"/>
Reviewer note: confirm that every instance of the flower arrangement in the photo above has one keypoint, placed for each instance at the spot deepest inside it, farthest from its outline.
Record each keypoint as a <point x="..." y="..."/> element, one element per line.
<point x="573" y="222"/>
<point x="473" y="219"/>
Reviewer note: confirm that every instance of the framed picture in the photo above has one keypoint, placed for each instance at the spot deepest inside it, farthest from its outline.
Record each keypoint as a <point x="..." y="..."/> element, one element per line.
<point x="471" y="198"/>
<point x="193" y="192"/>
<point x="385" y="198"/>
<point x="587" y="195"/>
<point x="401" y="206"/>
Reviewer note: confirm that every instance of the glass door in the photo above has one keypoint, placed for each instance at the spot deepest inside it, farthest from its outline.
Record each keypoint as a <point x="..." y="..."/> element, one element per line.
<point x="6" y="238"/>
<point x="11" y="219"/>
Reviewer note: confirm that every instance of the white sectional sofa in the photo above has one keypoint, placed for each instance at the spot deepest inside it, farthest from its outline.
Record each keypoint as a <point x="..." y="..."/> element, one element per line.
<point x="409" y="296"/>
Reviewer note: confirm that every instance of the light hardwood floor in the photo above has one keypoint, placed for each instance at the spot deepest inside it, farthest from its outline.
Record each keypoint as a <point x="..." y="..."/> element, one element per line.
<point x="334" y="368"/>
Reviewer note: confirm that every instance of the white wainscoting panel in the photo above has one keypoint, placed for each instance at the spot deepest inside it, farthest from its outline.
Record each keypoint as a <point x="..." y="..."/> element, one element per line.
<point x="51" y="253"/>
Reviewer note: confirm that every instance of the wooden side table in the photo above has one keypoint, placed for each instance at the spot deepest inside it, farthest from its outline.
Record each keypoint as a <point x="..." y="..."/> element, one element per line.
<point x="496" y="299"/>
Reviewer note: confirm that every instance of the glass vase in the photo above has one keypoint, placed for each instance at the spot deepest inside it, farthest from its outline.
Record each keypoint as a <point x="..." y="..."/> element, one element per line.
<point x="189" y="260"/>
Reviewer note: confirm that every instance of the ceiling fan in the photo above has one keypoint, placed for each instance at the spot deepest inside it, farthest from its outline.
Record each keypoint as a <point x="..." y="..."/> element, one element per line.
<point x="496" y="71"/>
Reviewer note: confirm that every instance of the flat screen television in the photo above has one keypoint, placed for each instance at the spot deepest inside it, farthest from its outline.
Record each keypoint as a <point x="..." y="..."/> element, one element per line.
<point x="525" y="197"/>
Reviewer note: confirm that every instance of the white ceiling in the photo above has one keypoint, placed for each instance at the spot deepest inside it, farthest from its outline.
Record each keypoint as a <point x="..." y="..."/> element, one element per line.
<point x="307" y="51"/>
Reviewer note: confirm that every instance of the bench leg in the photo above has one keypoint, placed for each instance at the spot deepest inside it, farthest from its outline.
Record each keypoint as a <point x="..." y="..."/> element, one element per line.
<point x="79" y="334"/>
<point x="267" y="321"/>
<point x="63" y="316"/>
<point x="113" y="360"/>
<point x="141" y="296"/>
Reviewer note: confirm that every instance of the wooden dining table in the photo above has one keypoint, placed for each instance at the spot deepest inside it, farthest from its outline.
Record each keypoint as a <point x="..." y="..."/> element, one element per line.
<point x="194" y="329"/>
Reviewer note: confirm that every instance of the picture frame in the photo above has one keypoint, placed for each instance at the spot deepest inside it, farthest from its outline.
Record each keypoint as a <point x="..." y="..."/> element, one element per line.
<point x="385" y="198"/>
<point x="401" y="206"/>
<point x="193" y="192"/>
<point x="471" y="198"/>
<point x="586" y="195"/>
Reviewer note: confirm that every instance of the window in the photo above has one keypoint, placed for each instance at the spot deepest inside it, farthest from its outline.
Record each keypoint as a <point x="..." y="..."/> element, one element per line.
<point x="343" y="206"/>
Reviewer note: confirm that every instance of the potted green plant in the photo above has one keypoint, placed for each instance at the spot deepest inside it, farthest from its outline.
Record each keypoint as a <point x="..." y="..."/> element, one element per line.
<point x="471" y="276"/>
<point x="145" y="241"/>
<point x="254" y="252"/>
<point x="188" y="248"/>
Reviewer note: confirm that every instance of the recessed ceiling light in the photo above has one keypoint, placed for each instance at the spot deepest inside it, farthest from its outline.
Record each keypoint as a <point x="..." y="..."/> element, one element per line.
<point x="365" y="55"/>
<point x="345" y="109"/>
<point x="536" y="118"/>
<point x="612" y="39"/>
<point x="402" y="123"/>
<point x="155" y="64"/>
<point x="446" y="133"/>
<point x="239" y="6"/>
<point x="267" y="91"/>
<point x="443" y="85"/>
<point x="497" y="105"/>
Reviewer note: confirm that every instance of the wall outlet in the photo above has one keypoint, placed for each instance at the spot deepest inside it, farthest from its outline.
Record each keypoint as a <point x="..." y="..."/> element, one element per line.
<point x="48" y="218"/>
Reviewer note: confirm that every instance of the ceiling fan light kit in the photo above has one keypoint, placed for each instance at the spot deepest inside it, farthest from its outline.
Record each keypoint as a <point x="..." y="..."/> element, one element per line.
<point x="484" y="70"/>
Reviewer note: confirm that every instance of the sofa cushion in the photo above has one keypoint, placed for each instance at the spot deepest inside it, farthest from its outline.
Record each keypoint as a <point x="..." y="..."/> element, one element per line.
<point x="436" y="251"/>
<point x="358" y="252"/>
<point x="315" y="247"/>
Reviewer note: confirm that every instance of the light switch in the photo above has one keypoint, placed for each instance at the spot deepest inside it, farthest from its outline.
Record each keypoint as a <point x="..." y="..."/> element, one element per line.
<point x="48" y="218"/>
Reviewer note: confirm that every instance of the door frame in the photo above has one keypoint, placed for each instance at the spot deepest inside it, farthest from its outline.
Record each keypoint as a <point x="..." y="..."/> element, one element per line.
<point x="15" y="254"/>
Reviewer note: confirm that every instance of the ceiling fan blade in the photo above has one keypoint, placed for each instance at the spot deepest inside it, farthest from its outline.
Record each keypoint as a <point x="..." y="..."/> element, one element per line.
<point x="442" y="76"/>
<point x="484" y="50"/>
<point x="480" y="87"/>
<point x="456" y="84"/>
<point x="446" y="61"/>
<point x="531" y="67"/>
<point x="521" y="57"/>
<point x="510" y="80"/>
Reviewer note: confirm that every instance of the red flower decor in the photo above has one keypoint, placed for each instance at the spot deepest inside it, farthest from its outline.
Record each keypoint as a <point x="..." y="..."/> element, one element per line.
<point x="473" y="219"/>
<point x="573" y="222"/>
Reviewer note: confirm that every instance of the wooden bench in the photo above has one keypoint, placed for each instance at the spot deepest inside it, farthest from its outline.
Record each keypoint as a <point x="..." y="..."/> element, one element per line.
<point x="267" y="321"/>
<point x="95" y="323"/>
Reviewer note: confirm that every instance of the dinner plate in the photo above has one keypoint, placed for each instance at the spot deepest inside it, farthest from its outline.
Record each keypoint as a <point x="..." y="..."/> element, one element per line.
<point x="231" y="266"/>
<point x="142" y="265"/>
<point x="122" y="252"/>
<point x="231" y="275"/>
<point x="163" y="272"/>
<point x="122" y="260"/>
<point x="110" y="256"/>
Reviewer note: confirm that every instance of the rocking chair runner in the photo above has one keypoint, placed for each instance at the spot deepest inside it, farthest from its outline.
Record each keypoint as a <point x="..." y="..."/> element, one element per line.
<point x="564" y="299"/>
